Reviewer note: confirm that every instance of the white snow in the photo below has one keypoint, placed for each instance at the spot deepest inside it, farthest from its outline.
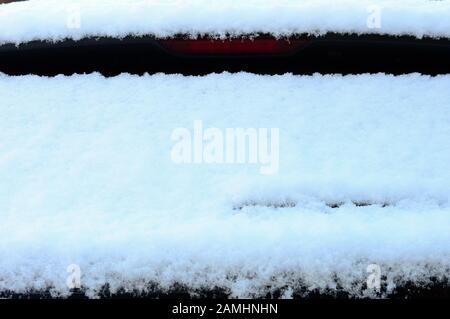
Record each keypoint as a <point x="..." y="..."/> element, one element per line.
<point x="86" y="178"/>
<point x="58" y="19"/>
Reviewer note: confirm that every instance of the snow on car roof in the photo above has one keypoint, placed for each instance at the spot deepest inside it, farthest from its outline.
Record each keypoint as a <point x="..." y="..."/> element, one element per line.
<point x="58" y="19"/>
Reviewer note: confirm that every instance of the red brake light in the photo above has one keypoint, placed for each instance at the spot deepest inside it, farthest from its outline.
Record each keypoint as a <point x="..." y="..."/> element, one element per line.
<point x="234" y="46"/>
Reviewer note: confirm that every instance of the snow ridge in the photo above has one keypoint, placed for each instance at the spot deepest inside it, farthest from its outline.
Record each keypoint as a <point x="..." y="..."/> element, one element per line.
<point x="54" y="20"/>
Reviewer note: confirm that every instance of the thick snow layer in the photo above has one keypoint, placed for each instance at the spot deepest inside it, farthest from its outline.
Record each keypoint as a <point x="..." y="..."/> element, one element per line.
<point x="58" y="19"/>
<point x="87" y="178"/>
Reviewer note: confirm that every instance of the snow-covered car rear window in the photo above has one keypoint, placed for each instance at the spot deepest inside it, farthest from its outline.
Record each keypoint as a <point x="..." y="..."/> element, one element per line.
<point x="297" y="181"/>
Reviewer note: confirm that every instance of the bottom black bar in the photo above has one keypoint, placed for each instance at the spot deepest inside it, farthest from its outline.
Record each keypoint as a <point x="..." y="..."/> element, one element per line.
<point x="201" y="308"/>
